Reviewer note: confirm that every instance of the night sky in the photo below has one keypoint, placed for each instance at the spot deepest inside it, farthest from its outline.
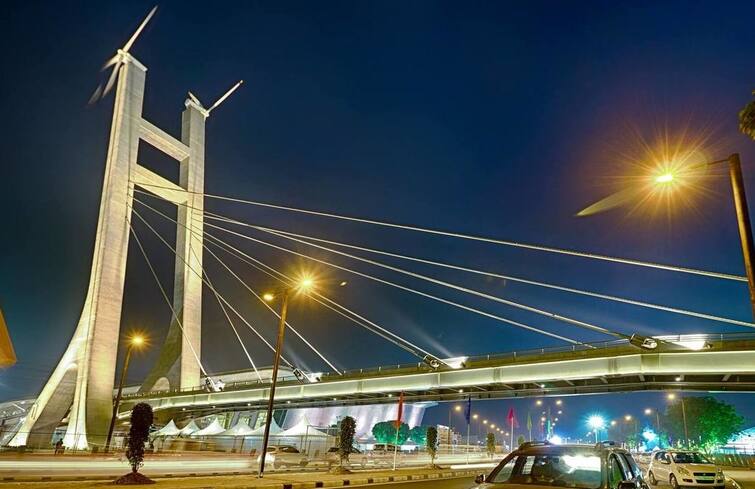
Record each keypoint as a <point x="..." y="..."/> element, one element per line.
<point x="501" y="119"/>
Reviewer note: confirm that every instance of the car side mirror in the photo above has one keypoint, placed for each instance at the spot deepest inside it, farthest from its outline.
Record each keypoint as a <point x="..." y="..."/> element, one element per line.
<point x="479" y="479"/>
<point x="627" y="485"/>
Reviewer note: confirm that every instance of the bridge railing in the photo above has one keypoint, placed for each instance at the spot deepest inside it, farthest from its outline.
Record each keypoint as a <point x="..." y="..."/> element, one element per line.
<point x="513" y="357"/>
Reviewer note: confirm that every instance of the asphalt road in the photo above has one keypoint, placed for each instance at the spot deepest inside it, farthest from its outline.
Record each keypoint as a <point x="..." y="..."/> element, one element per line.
<point x="463" y="483"/>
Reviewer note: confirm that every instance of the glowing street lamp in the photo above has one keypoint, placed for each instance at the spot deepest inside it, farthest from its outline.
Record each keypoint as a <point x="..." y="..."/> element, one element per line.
<point x="596" y="423"/>
<point x="648" y="412"/>
<point x="673" y="174"/>
<point x="304" y="284"/>
<point x="135" y="341"/>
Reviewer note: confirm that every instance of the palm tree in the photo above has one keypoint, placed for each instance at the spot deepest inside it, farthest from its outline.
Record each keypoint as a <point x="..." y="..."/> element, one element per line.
<point x="747" y="119"/>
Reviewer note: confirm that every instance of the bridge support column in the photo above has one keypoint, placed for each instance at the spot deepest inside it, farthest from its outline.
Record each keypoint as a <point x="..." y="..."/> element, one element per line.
<point x="177" y="365"/>
<point x="83" y="379"/>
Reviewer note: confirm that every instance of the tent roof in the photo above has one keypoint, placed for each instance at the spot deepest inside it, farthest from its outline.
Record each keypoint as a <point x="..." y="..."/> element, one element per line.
<point x="212" y="429"/>
<point x="274" y="429"/>
<point x="169" y="429"/>
<point x="303" y="428"/>
<point x="240" y="428"/>
<point x="189" y="428"/>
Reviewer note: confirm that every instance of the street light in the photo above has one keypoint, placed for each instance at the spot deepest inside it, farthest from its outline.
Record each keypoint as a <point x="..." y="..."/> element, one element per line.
<point x="669" y="177"/>
<point x="303" y="285"/>
<point x="648" y="412"/>
<point x="596" y="423"/>
<point x="136" y="341"/>
<point x="671" y="397"/>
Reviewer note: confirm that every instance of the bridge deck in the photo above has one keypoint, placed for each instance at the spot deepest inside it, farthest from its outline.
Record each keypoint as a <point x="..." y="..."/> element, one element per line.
<point x="726" y="364"/>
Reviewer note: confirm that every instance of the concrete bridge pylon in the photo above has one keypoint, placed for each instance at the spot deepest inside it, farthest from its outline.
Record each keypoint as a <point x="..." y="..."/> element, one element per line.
<point x="81" y="386"/>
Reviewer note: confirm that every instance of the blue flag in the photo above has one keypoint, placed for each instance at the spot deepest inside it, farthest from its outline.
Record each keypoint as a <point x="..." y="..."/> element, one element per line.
<point x="468" y="410"/>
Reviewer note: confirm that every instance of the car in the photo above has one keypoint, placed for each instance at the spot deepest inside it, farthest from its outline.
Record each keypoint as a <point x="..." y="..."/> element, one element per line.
<point x="685" y="468"/>
<point x="385" y="448"/>
<point x="356" y="457"/>
<point x="279" y="456"/>
<point x="543" y="464"/>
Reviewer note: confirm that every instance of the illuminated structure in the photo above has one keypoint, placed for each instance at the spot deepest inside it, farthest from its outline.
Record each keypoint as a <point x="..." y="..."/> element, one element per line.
<point x="82" y="383"/>
<point x="7" y="354"/>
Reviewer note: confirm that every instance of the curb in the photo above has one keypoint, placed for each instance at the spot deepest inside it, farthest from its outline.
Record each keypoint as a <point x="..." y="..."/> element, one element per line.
<point x="356" y="480"/>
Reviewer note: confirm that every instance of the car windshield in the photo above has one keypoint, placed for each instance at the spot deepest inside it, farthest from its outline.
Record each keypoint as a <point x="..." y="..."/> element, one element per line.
<point x="574" y="468"/>
<point x="690" y="458"/>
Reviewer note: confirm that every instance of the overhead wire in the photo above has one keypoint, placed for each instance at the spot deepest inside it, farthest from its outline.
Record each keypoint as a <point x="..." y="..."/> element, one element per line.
<point x="219" y="295"/>
<point x="536" y="310"/>
<point x="515" y="244"/>
<point x="319" y="298"/>
<point x="402" y="287"/>
<point x="165" y="296"/>
<point x="597" y="295"/>
<point x="294" y="330"/>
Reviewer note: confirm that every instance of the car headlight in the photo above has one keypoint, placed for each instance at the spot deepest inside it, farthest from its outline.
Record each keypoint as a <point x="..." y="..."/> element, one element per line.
<point x="683" y="471"/>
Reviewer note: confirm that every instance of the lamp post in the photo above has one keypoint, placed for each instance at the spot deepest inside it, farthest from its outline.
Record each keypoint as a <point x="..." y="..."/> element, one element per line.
<point x="596" y="423"/>
<point x="671" y="397"/>
<point x="135" y="341"/>
<point x="668" y="178"/>
<point x="303" y="285"/>
<point x="547" y="419"/>
<point x="648" y="412"/>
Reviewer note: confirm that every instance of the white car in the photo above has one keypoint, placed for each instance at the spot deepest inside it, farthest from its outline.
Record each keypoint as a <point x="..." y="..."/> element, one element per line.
<point x="685" y="468"/>
<point x="279" y="456"/>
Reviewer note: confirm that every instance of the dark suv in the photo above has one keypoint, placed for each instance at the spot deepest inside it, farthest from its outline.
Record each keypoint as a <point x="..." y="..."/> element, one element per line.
<point x="542" y="464"/>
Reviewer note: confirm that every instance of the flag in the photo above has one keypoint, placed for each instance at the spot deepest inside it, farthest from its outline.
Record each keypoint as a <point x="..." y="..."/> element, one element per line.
<point x="468" y="410"/>
<point x="529" y="421"/>
<point x="512" y="419"/>
<point x="400" y="412"/>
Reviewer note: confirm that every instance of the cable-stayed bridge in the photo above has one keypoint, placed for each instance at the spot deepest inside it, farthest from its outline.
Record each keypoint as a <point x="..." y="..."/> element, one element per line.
<point x="724" y="363"/>
<point x="80" y="389"/>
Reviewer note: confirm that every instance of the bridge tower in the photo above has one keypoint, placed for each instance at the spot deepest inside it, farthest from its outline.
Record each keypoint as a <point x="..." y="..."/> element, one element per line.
<point x="81" y="386"/>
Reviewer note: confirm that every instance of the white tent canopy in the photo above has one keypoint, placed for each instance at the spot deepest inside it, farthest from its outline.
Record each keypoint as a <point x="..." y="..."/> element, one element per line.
<point x="303" y="428"/>
<point x="274" y="429"/>
<point x="169" y="429"/>
<point x="213" y="428"/>
<point x="239" y="429"/>
<point x="189" y="428"/>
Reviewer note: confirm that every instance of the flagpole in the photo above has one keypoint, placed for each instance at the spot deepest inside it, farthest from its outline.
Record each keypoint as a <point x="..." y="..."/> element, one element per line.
<point x="398" y="427"/>
<point x="512" y="435"/>
<point x="395" y="448"/>
<point x="467" y="442"/>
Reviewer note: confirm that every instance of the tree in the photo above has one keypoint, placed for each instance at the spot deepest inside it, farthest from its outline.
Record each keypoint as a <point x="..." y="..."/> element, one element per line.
<point x="385" y="432"/>
<point x="520" y="441"/>
<point x="490" y="441"/>
<point x="419" y="435"/>
<point x="348" y="428"/>
<point x="747" y="119"/>
<point x="431" y="442"/>
<point x="141" y="421"/>
<point x="710" y="422"/>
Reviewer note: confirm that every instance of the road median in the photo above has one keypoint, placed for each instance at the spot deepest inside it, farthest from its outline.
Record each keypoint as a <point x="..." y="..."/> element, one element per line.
<point x="248" y="480"/>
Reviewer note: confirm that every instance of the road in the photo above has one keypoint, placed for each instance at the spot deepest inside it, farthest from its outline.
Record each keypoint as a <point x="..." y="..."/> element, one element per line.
<point x="170" y="465"/>
<point x="463" y="483"/>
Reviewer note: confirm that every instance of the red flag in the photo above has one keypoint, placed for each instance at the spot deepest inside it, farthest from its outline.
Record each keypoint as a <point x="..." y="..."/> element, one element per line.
<point x="400" y="410"/>
<point x="512" y="419"/>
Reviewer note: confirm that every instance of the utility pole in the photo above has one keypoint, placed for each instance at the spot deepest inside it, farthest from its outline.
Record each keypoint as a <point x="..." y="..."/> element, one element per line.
<point x="743" y="222"/>
<point x="135" y="341"/>
<point x="274" y="380"/>
<point x="684" y="419"/>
